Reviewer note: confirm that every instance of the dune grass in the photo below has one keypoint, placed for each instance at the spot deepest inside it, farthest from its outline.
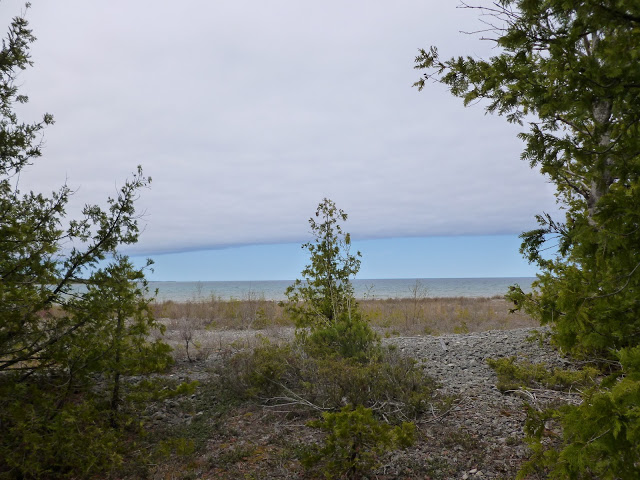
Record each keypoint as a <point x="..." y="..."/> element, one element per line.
<point x="395" y="317"/>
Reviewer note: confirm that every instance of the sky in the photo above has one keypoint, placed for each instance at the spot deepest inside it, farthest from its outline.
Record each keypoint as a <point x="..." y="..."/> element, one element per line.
<point x="246" y="114"/>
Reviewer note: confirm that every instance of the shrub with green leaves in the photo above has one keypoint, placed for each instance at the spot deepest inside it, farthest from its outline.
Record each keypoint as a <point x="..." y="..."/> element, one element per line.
<point x="513" y="375"/>
<point x="41" y="439"/>
<point x="355" y="442"/>
<point x="287" y="374"/>
<point x="600" y="438"/>
<point x="323" y="303"/>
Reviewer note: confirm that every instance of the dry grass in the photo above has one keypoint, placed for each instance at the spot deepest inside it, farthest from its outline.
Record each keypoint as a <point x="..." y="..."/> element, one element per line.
<point x="435" y="316"/>
<point x="252" y="312"/>
<point x="199" y="327"/>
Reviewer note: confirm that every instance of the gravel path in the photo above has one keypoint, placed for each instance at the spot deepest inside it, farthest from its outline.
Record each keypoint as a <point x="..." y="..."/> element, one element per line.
<point x="459" y="361"/>
<point x="492" y="422"/>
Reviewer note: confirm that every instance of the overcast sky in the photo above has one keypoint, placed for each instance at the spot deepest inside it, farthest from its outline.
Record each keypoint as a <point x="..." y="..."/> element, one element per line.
<point x="247" y="113"/>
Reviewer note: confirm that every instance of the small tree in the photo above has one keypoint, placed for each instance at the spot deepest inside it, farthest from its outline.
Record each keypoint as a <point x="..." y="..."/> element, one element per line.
<point x="63" y="349"/>
<point x="323" y="303"/>
<point x="355" y="442"/>
<point x="116" y="305"/>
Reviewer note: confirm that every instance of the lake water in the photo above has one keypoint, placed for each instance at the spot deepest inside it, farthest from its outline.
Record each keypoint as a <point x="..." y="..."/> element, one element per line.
<point x="364" y="288"/>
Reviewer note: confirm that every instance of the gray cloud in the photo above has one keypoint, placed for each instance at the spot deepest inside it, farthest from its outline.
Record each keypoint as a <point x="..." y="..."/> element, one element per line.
<point x="247" y="113"/>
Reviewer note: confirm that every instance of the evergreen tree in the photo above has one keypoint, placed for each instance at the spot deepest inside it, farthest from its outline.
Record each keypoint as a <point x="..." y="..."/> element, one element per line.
<point x="61" y="345"/>
<point x="571" y="72"/>
<point x="323" y="301"/>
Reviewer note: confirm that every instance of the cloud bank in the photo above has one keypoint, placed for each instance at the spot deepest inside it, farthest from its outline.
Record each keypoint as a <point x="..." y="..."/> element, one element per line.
<point x="247" y="113"/>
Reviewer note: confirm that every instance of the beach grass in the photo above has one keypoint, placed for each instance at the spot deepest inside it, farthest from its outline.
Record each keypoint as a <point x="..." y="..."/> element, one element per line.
<point x="391" y="317"/>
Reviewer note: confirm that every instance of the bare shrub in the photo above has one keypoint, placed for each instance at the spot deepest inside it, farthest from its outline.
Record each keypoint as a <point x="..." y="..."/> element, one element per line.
<point x="184" y="335"/>
<point x="413" y="307"/>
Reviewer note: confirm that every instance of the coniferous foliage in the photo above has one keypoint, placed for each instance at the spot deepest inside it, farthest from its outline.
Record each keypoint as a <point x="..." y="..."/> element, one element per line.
<point x="64" y="348"/>
<point x="355" y="442"/>
<point x="323" y="304"/>
<point x="570" y="72"/>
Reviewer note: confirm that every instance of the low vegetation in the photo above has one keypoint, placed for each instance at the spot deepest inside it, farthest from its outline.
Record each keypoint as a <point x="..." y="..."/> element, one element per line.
<point x="355" y="442"/>
<point x="513" y="376"/>
<point x="356" y="399"/>
<point x="84" y="385"/>
<point x="288" y="378"/>
<point x="394" y="316"/>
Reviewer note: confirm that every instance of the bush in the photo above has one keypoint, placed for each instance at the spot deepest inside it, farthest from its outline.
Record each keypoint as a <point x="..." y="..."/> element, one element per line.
<point x="512" y="375"/>
<point x="281" y="375"/>
<point x="600" y="438"/>
<point x="41" y="440"/>
<point x="355" y="442"/>
<point x="350" y="337"/>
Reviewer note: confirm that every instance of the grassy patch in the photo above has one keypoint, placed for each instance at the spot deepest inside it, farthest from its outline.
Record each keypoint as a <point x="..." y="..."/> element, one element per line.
<point x="512" y="375"/>
<point x="193" y="324"/>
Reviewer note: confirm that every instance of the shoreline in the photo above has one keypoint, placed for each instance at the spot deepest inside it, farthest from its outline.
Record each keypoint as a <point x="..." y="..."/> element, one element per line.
<point x="364" y="289"/>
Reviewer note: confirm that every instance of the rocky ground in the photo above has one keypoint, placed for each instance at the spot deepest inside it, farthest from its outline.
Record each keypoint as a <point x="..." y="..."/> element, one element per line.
<point x="485" y="414"/>
<point x="479" y="436"/>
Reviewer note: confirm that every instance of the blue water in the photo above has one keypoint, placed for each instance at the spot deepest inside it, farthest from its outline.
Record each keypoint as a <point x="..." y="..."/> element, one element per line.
<point x="365" y="288"/>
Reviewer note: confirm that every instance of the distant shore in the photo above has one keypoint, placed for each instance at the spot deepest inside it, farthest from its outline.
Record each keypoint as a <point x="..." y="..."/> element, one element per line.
<point x="364" y="288"/>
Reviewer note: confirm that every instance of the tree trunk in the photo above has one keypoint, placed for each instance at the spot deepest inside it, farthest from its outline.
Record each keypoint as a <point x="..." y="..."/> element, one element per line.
<point x="115" y="393"/>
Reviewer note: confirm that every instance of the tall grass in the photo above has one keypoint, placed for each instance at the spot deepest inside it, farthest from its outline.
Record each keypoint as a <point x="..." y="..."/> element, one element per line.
<point x="250" y="312"/>
<point x="398" y="316"/>
<point x="434" y="316"/>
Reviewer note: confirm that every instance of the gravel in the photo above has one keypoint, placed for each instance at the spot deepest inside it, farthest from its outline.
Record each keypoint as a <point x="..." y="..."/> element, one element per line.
<point x="459" y="362"/>
<point x="481" y="435"/>
<point x="491" y="421"/>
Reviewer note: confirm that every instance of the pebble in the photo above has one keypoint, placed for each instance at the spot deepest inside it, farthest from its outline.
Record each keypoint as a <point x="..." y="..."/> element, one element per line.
<point x="462" y="370"/>
<point x="466" y="355"/>
<point x="458" y="364"/>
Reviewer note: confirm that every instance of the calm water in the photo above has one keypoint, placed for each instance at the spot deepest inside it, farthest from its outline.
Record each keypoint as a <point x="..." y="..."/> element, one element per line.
<point x="376" y="288"/>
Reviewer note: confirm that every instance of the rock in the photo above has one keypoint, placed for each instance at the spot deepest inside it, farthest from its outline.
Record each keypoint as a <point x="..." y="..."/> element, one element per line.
<point x="483" y="413"/>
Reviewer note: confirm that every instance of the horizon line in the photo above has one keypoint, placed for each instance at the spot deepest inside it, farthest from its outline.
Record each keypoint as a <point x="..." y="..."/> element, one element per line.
<point x="377" y="278"/>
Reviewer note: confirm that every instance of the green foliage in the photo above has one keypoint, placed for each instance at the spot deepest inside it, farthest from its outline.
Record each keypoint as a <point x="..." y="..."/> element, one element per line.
<point x="286" y="374"/>
<point x="570" y="70"/>
<point x="354" y="443"/>
<point x="323" y="304"/>
<point x="350" y="337"/>
<point x="600" y="437"/>
<point x="179" y="446"/>
<point x="512" y="375"/>
<point x="42" y="439"/>
<point x="71" y="328"/>
<point x="461" y="328"/>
